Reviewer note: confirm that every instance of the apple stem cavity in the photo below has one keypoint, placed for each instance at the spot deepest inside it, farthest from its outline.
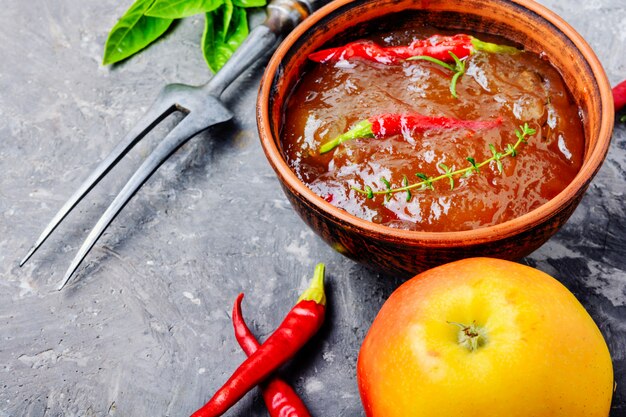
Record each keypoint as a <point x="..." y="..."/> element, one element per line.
<point x="470" y="337"/>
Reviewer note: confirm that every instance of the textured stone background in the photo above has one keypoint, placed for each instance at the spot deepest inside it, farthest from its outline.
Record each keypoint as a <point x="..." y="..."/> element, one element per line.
<point x="144" y="327"/>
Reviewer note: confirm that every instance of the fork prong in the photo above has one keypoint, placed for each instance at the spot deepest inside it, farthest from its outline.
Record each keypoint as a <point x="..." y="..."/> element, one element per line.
<point x="155" y="114"/>
<point x="186" y="129"/>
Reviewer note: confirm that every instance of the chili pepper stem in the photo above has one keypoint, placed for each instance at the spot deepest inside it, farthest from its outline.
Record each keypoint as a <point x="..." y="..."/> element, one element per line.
<point x="363" y="129"/>
<point x="493" y="48"/>
<point x="315" y="292"/>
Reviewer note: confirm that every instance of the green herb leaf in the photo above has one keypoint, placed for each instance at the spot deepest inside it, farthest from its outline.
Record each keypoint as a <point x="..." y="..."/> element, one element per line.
<point x="387" y="186"/>
<point x="459" y="67"/>
<point x="623" y="119"/>
<point x="249" y="3"/>
<point x="525" y="131"/>
<point x="227" y="17"/>
<point x="225" y="29"/>
<point x="496" y="157"/>
<point x="510" y="149"/>
<point x="500" y="166"/>
<point x="405" y="183"/>
<point x="433" y="60"/>
<point x="428" y="182"/>
<point x="448" y="173"/>
<point x="453" y="82"/>
<point x="528" y="131"/>
<point x="133" y="32"/>
<point x="473" y="162"/>
<point x="177" y="9"/>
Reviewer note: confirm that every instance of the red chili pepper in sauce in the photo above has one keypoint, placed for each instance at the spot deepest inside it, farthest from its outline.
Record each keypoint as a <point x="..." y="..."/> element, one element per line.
<point x="281" y="400"/>
<point x="386" y="125"/>
<point x="437" y="46"/>
<point x="619" y="95"/>
<point x="300" y="324"/>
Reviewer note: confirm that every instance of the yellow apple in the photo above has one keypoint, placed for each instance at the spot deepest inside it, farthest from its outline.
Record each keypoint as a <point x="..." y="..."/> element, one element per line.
<point x="486" y="338"/>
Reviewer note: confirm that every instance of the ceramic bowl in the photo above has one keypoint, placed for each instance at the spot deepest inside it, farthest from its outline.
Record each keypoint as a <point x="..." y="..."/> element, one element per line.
<point x="407" y="252"/>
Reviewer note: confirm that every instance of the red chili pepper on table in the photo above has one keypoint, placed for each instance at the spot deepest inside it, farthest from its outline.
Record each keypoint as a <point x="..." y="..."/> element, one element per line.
<point x="437" y="46"/>
<point x="386" y="125"/>
<point x="619" y="95"/>
<point x="280" y="399"/>
<point x="300" y="324"/>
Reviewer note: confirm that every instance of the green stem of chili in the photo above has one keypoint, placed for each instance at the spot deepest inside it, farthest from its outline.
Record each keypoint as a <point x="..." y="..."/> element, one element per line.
<point x="493" y="47"/>
<point x="315" y="292"/>
<point x="363" y="129"/>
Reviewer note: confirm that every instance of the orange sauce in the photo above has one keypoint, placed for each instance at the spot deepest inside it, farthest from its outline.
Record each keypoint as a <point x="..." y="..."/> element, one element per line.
<point x="518" y="89"/>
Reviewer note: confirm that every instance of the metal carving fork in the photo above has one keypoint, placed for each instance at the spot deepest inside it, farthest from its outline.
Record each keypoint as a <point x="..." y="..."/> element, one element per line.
<point x="203" y="109"/>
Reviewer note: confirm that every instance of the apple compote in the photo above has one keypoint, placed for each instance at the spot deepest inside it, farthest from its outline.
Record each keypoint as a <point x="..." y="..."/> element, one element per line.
<point x="430" y="149"/>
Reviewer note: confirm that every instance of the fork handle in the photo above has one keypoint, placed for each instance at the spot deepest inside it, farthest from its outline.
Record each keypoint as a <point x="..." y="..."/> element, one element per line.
<point x="282" y="17"/>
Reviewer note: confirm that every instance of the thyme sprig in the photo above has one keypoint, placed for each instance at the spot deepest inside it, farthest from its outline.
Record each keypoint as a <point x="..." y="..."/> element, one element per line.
<point x="458" y="68"/>
<point x="426" y="182"/>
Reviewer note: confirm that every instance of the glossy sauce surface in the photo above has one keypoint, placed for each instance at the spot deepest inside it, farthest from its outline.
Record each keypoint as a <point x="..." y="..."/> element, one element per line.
<point x="516" y="89"/>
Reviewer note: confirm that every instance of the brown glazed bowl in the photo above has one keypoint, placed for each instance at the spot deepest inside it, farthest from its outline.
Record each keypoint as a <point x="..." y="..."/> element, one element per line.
<point x="408" y="252"/>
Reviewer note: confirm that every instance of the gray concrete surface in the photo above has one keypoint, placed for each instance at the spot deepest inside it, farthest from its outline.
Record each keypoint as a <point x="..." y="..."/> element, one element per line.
<point x="144" y="328"/>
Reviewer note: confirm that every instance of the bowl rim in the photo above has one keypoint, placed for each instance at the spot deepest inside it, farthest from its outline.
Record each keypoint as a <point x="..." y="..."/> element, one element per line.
<point x="591" y="164"/>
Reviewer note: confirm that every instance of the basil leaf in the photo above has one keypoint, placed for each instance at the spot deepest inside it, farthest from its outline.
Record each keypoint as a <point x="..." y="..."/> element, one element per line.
<point x="225" y="29"/>
<point x="227" y="17"/>
<point x="133" y="32"/>
<point x="177" y="9"/>
<point x="250" y="3"/>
